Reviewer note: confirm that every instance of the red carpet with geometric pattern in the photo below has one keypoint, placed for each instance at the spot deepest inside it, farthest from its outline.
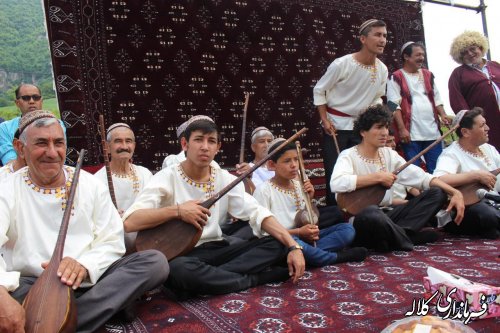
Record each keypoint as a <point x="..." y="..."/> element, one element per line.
<point x="353" y="297"/>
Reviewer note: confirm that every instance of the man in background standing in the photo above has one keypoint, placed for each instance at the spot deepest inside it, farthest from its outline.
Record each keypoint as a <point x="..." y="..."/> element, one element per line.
<point x="350" y="85"/>
<point x="417" y="106"/>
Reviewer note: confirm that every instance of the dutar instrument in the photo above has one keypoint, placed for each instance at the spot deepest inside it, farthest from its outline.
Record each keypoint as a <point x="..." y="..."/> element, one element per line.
<point x="469" y="190"/>
<point x="176" y="237"/>
<point x="355" y="201"/>
<point x="50" y="305"/>
<point x="310" y="214"/>
<point x="249" y="185"/>
<point x="106" y="160"/>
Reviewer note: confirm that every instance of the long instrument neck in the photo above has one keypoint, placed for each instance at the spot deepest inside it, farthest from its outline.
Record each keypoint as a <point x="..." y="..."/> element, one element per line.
<point x="212" y="200"/>
<point x="243" y="129"/>
<point x="416" y="157"/>
<point x="302" y="180"/>
<point x="63" y="230"/>
<point x="106" y="161"/>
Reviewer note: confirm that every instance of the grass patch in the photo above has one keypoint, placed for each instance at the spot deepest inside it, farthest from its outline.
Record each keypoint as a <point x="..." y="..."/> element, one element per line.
<point x="11" y="111"/>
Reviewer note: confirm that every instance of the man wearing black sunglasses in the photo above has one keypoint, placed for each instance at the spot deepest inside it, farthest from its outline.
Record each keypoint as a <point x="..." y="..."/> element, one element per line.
<point x="28" y="98"/>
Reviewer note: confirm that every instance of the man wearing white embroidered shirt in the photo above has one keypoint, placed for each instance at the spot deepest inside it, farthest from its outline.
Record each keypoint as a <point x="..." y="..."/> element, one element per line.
<point x="350" y="85"/>
<point x="417" y="106"/>
<point x="214" y="266"/>
<point x="371" y="163"/>
<point x="467" y="161"/>
<point x="32" y="203"/>
<point x="128" y="179"/>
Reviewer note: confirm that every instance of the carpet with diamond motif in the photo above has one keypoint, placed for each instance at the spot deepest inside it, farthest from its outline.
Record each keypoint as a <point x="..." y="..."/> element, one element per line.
<point x="352" y="297"/>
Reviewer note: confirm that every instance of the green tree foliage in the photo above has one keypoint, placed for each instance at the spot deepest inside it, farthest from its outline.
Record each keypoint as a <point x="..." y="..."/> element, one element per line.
<point x="23" y="42"/>
<point x="24" y="48"/>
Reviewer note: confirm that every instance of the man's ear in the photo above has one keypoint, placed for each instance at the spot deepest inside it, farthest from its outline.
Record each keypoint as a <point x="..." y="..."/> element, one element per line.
<point x="218" y="147"/>
<point x="18" y="146"/>
<point x="252" y="146"/>
<point x="271" y="165"/>
<point x="362" y="39"/>
<point x="184" y="144"/>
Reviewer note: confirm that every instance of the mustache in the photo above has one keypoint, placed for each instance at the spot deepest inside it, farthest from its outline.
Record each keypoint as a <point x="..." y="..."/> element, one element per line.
<point x="123" y="151"/>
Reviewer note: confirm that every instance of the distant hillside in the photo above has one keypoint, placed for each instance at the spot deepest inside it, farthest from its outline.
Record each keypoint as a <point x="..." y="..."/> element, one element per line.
<point x="24" y="49"/>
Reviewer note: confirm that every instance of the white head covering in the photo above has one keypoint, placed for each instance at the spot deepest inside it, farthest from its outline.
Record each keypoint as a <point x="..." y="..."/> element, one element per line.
<point x="274" y="144"/>
<point x="366" y="24"/>
<point x="188" y="122"/>
<point x="259" y="132"/>
<point x="405" y="45"/>
<point x="116" y="125"/>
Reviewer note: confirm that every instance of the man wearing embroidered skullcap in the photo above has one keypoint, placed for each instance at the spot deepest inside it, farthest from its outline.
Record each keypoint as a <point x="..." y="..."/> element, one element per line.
<point x="260" y="138"/>
<point x="128" y="179"/>
<point x="477" y="81"/>
<point x="417" y="105"/>
<point x="32" y="204"/>
<point x="28" y="98"/>
<point x="350" y="85"/>
<point x="176" y="159"/>
<point x="469" y="161"/>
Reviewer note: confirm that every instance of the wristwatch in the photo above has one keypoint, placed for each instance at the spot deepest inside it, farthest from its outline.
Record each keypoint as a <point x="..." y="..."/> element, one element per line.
<point x="295" y="247"/>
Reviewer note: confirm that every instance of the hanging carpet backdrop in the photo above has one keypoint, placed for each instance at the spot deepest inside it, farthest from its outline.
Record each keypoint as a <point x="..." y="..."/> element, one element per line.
<point x="153" y="64"/>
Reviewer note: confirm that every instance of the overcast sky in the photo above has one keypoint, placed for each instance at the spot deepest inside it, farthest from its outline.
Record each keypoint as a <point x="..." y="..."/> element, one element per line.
<point x="443" y="23"/>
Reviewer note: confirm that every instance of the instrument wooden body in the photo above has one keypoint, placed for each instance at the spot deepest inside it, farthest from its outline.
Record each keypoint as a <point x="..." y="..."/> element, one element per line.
<point x="354" y="202"/>
<point x="176" y="237"/>
<point x="310" y="214"/>
<point x="50" y="305"/>
<point x="249" y="185"/>
<point x="106" y="160"/>
<point x="469" y="190"/>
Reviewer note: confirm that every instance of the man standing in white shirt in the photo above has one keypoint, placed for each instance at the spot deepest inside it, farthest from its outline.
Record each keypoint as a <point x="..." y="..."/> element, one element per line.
<point x="32" y="204"/>
<point x="417" y="106"/>
<point x="471" y="160"/>
<point x="350" y="85"/>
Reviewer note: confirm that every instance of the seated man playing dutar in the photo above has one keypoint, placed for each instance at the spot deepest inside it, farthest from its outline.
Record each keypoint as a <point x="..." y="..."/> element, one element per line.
<point x="216" y="265"/>
<point x="32" y="204"/>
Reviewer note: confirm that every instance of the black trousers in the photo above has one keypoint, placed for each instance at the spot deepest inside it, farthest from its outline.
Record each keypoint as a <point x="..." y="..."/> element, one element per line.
<point x="239" y="228"/>
<point x="330" y="215"/>
<point x="346" y="139"/>
<point x="391" y="230"/>
<point x="480" y="219"/>
<point x="220" y="268"/>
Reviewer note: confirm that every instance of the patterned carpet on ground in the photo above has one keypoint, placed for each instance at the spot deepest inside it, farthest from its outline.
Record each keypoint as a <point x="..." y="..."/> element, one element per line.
<point x="353" y="297"/>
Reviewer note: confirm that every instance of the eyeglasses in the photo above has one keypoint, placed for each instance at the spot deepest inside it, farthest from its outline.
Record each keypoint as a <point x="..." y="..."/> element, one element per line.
<point x="27" y="98"/>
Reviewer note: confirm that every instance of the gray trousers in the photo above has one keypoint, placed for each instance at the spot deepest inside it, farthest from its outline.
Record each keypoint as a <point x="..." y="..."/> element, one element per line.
<point x="122" y="283"/>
